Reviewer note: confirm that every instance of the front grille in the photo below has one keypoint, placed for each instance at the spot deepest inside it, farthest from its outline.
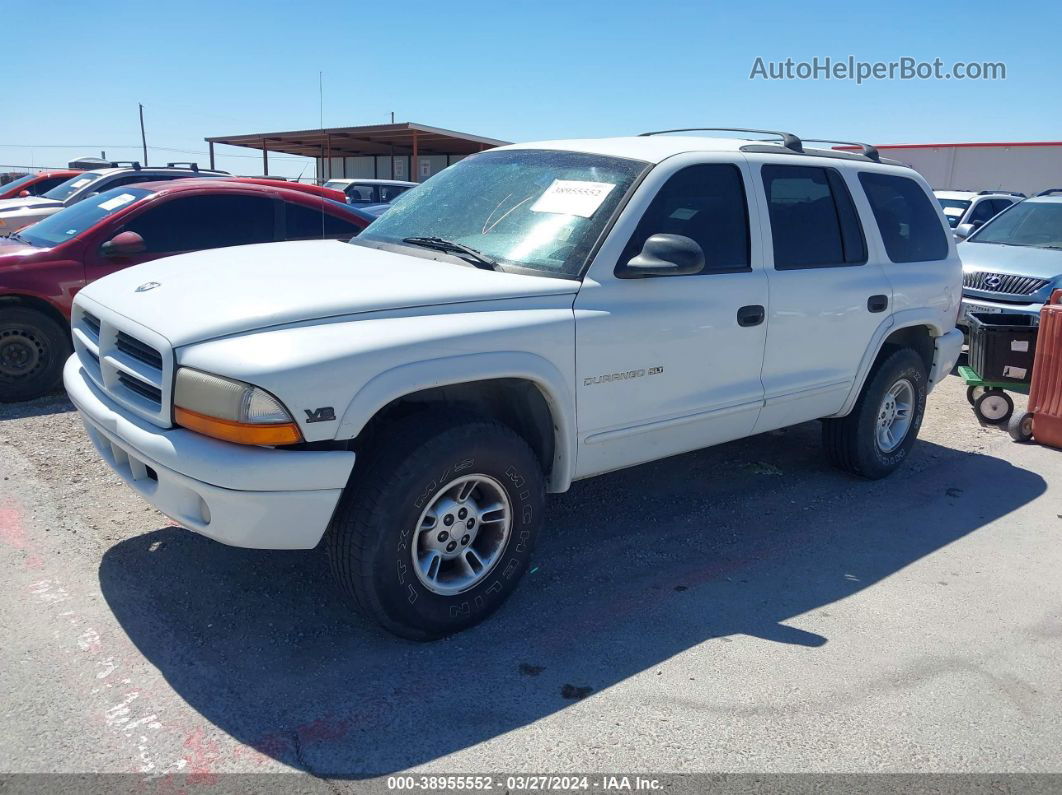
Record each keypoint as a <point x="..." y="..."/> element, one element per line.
<point x="1003" y="283"/>
<point x="140" y="351"/>
<point x="132" y="364"/>
<point x="152" y="393"/>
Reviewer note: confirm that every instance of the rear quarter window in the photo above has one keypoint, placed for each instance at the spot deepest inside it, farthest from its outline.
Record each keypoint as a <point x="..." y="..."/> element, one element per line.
<point x="909" y="225"/>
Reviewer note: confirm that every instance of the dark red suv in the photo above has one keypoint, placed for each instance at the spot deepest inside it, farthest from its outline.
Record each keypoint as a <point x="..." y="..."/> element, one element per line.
<point x="44" y="265"/>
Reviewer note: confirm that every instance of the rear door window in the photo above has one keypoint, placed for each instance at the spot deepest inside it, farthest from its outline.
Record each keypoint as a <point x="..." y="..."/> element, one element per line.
<point x="192" y="223"/>
<point x="908" y="222"/>
<point x="814" y="223"/>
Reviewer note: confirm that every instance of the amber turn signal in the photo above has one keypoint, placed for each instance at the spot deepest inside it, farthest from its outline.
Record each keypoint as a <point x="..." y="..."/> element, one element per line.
<point x="238" y="432"/>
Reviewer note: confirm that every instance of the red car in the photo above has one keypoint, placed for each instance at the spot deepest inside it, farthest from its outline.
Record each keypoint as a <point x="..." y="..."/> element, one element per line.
<point x="44" y="265"/>
<point x="36" y="184"/>
<point x="316" y="190"/>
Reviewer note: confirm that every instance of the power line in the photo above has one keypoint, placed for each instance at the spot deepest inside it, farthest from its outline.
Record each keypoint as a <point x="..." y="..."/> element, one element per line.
<point x="134" y="146"/>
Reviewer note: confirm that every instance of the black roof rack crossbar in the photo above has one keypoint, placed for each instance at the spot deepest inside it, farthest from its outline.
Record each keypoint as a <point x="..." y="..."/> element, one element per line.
<point x="1050" y="192"/>
<point x="134" y="164"/>
<point x="789" y="141"/>
<point x="183" y="163"/>
<point x="1000" y="193"/>
<point x="868" y="150"/>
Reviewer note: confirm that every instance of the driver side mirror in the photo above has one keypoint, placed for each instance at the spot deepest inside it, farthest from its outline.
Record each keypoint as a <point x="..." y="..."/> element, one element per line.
<point x="963" y="231"/>
<point x="665" y="255"/>
<point x="22" y="194"/>
<point x="124" y="244"/>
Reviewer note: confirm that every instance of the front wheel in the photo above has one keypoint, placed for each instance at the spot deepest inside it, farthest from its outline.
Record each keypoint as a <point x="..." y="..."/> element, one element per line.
<point x="876" y="437"/>
<point x="438" y="526"/>
<point x="33" y="349"/>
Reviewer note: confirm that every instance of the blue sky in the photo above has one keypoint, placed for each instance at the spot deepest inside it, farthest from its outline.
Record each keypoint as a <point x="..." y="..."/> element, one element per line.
<point x="75" y="71"/>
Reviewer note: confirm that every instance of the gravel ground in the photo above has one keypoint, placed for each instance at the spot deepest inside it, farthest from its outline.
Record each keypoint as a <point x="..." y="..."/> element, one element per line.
<point x="743" y="608"/>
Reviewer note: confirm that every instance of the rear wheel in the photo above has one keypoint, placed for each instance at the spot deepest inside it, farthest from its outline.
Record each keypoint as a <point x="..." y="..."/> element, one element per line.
<point x="875" y="438"/>
<point x="436" y="531"/>
<point x="33" y="348"/>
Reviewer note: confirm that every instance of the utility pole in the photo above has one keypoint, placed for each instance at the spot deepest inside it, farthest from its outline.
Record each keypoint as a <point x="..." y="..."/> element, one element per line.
<point x="392" y="117"/>
<point x="143" y="138"/>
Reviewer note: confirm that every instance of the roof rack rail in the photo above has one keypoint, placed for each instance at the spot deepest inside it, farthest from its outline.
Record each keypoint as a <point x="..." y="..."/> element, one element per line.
<point x="789" y="141"/>
<point x="868" y="150"/>
<point x="183" y="163"/>
<point x="1001" y="192"/>
<point x="1050" y="192"/>
<point x="134" y="164"/>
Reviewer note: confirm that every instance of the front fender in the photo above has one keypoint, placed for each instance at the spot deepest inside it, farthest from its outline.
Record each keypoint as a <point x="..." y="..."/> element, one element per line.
<point x="416" y="376"/>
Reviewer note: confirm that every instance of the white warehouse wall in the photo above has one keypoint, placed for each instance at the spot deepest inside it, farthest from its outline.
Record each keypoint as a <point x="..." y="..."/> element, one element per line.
<point x="1028" y="169"/>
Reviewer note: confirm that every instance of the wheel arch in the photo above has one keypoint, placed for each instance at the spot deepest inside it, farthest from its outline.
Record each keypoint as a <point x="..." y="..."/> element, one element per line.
<point x="42" y="305"/>
<point x="917" y="333"/>
<point x="522" y="390"/>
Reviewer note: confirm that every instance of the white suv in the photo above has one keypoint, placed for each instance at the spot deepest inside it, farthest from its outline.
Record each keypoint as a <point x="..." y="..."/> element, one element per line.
<point x="533" y="315"/>
<point x="962" y="207"/>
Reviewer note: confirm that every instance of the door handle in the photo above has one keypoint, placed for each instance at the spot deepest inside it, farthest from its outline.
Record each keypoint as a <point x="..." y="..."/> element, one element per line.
<point x="878" y="303"/>
<point x="751" y="315"/>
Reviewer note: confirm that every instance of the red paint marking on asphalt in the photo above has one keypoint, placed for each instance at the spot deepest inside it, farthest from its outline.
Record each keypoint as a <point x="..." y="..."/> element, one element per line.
<point x="12" y="532"/>
<point x="203" y="754"/>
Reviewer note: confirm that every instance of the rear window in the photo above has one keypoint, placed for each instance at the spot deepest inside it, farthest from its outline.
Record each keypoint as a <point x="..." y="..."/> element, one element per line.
<point x="907" y="220"/>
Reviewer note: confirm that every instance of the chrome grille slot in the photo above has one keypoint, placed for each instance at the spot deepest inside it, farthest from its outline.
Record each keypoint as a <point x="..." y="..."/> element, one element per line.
<point x="138" y="350"/>
<point x="152" y="393"/>
<point x="1003" y="283"/>
<point x="92" y="322"/>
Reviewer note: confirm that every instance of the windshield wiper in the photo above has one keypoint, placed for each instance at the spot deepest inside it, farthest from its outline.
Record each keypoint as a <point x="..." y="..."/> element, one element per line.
<point x="478" y="258"/>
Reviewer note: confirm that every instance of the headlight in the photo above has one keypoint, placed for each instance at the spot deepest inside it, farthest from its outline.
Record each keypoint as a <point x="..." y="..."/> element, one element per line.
<point x="231" y="410"/>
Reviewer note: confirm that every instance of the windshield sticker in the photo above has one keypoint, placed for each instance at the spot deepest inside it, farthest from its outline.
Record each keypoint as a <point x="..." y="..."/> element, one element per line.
<point x="80" y="182"/>
<point x="572" y="197"/>
<point x="953" y="211"/>
<point x="116" y="202"/>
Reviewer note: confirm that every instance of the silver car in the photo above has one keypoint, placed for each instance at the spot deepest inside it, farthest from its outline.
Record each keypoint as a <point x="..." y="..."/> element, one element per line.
<point x="18" y="213"/>
<point x="1012" y="263"/>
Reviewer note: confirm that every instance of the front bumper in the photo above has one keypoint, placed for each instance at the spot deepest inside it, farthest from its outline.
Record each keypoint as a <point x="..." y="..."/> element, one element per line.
<point x="947" y="348"/>
<point x="970" y="303"/>
<point x="243" y="496"/>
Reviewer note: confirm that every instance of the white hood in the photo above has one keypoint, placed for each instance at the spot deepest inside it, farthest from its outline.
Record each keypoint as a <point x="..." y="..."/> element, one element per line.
<point x="214" y="293"/>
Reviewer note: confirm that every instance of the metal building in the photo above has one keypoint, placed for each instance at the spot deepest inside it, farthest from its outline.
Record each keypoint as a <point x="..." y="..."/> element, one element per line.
<point x="405" y="151"/>
<point x="1026" y="166"/>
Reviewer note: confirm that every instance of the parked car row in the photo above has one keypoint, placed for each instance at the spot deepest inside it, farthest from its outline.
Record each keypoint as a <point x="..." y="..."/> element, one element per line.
<point x="139" y="215"/>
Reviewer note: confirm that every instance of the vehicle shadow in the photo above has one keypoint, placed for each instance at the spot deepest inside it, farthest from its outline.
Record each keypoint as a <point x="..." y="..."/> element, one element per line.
<point x="633" y="568"/>
<point x="55" y="403"/>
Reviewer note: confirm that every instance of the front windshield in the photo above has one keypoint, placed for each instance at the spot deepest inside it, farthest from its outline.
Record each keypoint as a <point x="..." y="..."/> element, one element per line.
<point x="64" y="190"/>
<point x="954" y="209"/>
<point x="537" y="209"/>
<point x="1029" y="223"/>
<point x="70" y="222"/>
<point x="15" y="184"/>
